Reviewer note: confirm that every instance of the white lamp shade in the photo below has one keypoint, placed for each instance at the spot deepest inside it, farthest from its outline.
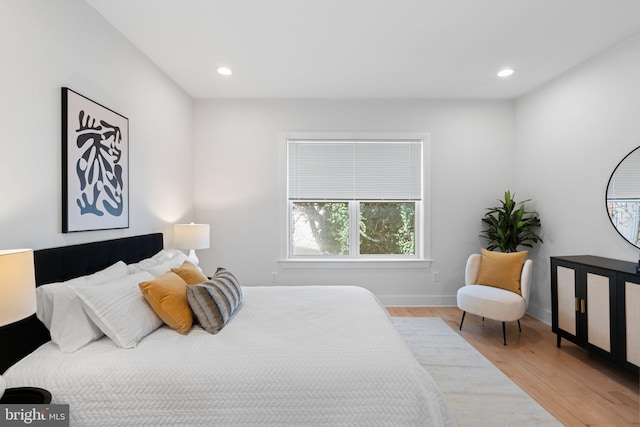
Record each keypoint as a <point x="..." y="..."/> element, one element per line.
<point x="191" y="236"/>
<point x="17" y="285"/>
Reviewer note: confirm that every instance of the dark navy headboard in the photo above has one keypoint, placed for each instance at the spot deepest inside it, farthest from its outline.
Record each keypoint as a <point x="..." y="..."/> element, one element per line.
<point x="64" y="263"/>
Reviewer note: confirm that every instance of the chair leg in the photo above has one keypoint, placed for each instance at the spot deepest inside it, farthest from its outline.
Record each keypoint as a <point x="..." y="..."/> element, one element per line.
<point x="519" y="328"/>
<point x="504" y="334"/>
<point x="463" y="313"/>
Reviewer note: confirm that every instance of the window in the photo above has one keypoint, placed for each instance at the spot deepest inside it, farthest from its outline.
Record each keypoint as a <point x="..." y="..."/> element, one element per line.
<point x="355" y="198"/>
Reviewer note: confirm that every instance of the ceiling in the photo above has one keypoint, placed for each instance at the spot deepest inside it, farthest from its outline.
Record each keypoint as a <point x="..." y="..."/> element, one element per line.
<point x="369" y="48"/>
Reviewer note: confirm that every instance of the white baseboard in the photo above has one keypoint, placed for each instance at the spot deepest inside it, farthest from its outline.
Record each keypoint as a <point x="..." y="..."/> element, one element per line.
<point x="540" y="313"/>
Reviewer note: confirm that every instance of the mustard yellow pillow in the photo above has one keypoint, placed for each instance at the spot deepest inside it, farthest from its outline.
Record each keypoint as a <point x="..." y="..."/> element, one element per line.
<point x="501" y="270"/>
<point x="167" y="296"/>
<point x="190" y="273"/>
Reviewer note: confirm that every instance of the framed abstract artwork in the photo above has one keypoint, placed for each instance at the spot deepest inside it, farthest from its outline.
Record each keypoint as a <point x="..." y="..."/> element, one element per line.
<point x="95" y="165"/>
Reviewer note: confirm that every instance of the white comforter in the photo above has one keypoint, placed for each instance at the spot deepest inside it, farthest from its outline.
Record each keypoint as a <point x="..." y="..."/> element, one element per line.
<point x="292" y="356"/>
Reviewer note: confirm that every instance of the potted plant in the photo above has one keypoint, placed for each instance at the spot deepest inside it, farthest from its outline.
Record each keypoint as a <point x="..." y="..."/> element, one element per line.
<point x="510" y="225"/>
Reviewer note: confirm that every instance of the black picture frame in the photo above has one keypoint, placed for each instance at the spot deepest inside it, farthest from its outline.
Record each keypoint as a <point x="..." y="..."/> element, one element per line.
<point x="95" y="165"/>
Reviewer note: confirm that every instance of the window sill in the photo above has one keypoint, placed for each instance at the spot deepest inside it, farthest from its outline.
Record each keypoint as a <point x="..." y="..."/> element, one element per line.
<point x="356" y="263"/>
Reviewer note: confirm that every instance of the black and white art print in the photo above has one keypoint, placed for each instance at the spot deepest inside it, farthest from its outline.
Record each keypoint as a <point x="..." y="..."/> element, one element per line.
<point x="95" y="165"/>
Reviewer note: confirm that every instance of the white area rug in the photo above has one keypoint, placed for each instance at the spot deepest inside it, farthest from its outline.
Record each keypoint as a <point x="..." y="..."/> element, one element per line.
<point x="477" y="392"/>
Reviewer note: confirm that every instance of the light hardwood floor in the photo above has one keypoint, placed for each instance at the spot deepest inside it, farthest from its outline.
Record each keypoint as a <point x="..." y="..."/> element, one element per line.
<point x="578" y="388"/>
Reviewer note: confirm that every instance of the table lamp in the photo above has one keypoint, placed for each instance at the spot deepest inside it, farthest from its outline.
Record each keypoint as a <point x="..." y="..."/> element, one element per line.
<point x="191" y="236"/>
<point x="17" y="285"/>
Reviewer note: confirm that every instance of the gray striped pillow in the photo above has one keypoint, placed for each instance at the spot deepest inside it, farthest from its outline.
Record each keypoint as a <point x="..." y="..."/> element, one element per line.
<point x="215" y="301"/>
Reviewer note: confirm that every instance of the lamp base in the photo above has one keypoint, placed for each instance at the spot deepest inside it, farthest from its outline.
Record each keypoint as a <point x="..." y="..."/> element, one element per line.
<point x="193" y="258"/>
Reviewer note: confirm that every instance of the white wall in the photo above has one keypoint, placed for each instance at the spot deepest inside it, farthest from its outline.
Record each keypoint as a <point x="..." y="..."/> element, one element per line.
<point x="48" y="44"/>
<point x="571" y="134"/>
<point x="566" y="138"/>
<point x="237" y="187"/>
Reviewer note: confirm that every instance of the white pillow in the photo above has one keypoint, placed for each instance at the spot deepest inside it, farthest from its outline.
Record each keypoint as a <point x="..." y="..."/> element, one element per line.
<point x="45" y="304"/>
<point x="120" y="310"/>
<point x="159" y="269"/>
<point x="147" y="263"/>
<point x="173" y="252"/>
<point x="61" y="311"/>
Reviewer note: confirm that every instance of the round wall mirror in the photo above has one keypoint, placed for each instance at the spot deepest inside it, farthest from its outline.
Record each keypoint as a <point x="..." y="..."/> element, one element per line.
<point x="623" y="198"/>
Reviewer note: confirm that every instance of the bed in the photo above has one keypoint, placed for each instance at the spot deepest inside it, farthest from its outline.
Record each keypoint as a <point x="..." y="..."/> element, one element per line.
<point x="291" y="355"/>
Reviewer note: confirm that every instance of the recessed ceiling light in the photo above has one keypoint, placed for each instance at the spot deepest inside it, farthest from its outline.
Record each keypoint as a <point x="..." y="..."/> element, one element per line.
<point x="506" y="72"/>
<point x="225" y="71"/>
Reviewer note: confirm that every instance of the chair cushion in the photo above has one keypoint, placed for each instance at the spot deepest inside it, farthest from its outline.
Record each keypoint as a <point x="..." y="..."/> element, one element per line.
<point x="502" y="270"/>
<point x="490" y="302"/>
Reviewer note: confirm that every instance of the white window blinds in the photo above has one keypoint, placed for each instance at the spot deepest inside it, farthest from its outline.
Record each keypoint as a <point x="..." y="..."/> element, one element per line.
<point x="354" y="170"/>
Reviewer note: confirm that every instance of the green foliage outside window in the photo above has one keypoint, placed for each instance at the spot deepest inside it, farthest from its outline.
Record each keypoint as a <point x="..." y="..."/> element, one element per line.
<point x="387" y="228"/>
<point x="384" y="228"/>
<point x="328" y="224"/>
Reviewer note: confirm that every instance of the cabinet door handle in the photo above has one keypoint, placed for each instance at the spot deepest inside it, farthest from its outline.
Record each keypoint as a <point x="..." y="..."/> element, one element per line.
<point x="577" y="304"/>
<point x="583" y="306"/>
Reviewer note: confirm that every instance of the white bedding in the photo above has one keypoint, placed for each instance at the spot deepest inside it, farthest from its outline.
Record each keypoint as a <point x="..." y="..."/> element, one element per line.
<point x="292" y="356"/>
